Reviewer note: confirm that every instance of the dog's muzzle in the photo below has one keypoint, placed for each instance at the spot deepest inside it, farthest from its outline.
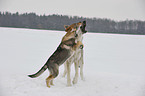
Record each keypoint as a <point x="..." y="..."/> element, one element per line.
<point x="83" y="27"/>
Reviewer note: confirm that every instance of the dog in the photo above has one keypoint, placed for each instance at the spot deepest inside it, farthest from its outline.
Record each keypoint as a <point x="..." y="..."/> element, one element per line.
<point x="65" y="50"/>
<point x="77" y="58"/>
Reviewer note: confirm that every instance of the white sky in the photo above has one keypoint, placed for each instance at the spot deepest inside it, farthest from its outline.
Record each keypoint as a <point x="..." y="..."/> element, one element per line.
<point x="112" y="9"/>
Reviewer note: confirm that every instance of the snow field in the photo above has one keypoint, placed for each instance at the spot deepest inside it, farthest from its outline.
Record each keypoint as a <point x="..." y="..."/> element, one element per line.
<point x="114" y="64"/>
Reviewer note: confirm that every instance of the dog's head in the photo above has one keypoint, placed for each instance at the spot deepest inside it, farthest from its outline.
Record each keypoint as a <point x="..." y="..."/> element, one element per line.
<point x="74" y="33"/>
<point x="79" y="29"/>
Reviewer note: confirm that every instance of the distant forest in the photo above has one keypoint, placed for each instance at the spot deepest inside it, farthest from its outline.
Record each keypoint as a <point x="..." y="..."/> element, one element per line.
<point x="57" y="22"/>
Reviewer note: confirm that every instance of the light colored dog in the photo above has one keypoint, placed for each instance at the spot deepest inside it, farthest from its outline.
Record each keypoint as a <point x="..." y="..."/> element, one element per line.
<point x="77" y="58"/>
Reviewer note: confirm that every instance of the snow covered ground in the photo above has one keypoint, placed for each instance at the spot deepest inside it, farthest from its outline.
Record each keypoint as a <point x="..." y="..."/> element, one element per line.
<point x="114" y="64"/>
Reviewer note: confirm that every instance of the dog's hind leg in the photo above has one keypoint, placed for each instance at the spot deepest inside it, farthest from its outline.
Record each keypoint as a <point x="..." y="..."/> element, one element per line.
<point x="54" y="71"/>
<point x="51" y="82"/>
<point x="75" y="80"/>
<point x="48" y="80"/>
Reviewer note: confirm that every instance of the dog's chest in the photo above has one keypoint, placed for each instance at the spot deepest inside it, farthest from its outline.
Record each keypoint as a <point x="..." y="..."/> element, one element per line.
<point x="80" y="37"/>
<point x="77" y="54"/>
<point x="75" y="57"/>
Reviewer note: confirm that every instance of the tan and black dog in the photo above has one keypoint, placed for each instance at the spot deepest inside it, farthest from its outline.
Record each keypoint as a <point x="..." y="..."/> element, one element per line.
<point x="64" y="51"/>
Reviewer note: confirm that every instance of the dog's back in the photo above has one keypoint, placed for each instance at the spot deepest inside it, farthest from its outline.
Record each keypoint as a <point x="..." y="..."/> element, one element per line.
<point x="59" y="56"/>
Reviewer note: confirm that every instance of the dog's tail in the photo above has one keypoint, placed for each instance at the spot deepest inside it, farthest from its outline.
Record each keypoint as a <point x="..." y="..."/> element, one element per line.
<point x="39" y="72"/>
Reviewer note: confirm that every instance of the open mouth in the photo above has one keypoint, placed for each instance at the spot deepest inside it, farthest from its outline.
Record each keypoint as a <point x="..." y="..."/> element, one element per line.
<point x="83" y="27"/>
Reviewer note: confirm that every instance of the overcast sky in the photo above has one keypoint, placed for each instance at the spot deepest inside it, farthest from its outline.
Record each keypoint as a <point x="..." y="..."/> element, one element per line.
<point x="112" y="9"/>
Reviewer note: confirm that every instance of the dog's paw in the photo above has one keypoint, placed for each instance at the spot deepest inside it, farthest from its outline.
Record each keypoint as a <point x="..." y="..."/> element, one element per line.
<point x="75" y="81"/>
<point x="83" y="79"/>
<point x="69" y="85"/>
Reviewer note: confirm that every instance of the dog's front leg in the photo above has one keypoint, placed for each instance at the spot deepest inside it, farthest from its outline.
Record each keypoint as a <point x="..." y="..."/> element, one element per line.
<point x="68" y="65"/>
<point x="81" y="65"/>
<point x="75" y="80"/>
<point x="65" y="69"/>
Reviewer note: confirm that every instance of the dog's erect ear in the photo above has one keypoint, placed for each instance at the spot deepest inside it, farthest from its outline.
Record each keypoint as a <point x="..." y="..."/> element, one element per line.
<point x="66" y="26"/>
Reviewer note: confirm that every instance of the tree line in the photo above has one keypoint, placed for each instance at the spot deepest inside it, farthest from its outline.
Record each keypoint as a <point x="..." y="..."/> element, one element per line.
<point x="57" y="22"/>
